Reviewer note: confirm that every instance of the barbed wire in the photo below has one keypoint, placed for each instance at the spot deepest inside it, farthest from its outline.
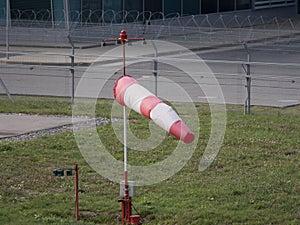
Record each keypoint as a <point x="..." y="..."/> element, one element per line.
<point x="47" y="18"/>
<point x="47" y="27"/>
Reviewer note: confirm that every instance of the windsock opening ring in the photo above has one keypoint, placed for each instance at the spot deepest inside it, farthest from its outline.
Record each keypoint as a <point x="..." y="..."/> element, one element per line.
<point x="121" y="84"/>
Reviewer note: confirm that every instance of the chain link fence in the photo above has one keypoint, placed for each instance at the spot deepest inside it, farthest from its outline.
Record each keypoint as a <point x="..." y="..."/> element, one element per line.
<point x="31" y="65"/>
<point x="95" y="26"/>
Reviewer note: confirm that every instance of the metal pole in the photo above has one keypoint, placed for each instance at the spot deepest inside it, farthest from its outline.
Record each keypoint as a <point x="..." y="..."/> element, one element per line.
<point x="6" y="91"/>
<point x="7" y="27"/>
<point x="248" y="85"/>
<point x="52" y="13"/>
<point x="155" y="75"/>
<point x="181" y="8"/>
<point x="76" y="193"/>
<point x="248" y="81"/>
<point x="67" y="14"/>
<point x="126" y="200"/>
<point x="126" y="203"/>
<point x="72" y="70"/>
<point x="155" y="67"/>
<point x="73" y="73"/>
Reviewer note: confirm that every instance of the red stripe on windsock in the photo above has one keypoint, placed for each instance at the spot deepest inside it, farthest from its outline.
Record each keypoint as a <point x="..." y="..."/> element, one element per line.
<point x="148" y="104"/>
<point x="182" y="132"/>
<point x="120" y="87"/>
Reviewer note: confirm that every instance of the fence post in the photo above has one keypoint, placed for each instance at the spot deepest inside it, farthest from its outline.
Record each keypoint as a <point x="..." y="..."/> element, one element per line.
<point x="6" y="91"/>
<point x="72" y="56"/>
<point x="155" y="74"/>
<point x="7" y="27"/>
<point x="67" y="14"/>
<point x="155" y="66"/>
<point x="247" y="104"/>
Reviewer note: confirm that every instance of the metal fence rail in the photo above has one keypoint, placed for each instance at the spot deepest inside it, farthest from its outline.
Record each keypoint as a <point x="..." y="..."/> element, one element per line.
<point x="272" y="83"/>
<point x="33" y="66"/>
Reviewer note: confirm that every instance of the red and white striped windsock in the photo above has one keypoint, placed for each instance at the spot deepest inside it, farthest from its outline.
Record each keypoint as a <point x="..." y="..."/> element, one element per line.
<point x="129" y="92"/>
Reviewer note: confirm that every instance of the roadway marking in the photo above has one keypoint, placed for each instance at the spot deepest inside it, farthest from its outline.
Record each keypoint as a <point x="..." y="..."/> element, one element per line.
<point x="207" y="97"/>
<point x="288" y="101"/>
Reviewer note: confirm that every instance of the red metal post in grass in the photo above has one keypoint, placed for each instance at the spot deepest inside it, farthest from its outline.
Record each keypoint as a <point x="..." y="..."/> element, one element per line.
<point x="61" y="172"/>
<point x="76" y="193"/>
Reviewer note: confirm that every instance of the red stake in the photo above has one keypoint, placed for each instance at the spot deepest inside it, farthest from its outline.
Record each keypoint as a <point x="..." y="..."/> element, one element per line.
<point x="76" y="193"/>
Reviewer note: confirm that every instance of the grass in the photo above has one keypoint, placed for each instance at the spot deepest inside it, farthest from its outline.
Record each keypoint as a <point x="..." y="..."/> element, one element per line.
<point x="255" y="178"/>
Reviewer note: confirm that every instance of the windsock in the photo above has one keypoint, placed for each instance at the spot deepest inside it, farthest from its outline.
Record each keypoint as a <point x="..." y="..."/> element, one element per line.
<point x="129" y="92"/>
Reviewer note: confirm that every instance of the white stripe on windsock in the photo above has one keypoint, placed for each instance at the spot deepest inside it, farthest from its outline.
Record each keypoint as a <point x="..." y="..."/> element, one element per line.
<point x="134" y="95"/>
<point x="164" y="116"/>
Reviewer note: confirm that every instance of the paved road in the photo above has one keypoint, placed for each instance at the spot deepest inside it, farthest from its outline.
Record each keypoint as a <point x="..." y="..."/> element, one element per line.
<point x="272" y="85"/>
<point x="275" y="74"/>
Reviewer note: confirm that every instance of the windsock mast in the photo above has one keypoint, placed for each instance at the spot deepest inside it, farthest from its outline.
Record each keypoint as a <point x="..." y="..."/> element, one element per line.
<point x="128" y="92"/>
<point x="127" y="217"/>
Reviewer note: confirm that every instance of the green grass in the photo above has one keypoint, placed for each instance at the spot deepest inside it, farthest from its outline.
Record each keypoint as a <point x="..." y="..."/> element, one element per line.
<point x="255" y="178"/>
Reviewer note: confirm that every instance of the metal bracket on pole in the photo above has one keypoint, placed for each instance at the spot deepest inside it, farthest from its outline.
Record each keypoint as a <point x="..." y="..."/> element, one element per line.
<point x="6" y="91"/>
<point x="72" y="70"/>
<point x="247" y="103"/>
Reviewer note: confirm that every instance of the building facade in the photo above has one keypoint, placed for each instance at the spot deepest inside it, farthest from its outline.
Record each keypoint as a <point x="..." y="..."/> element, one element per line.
<point x="167" y="7"/>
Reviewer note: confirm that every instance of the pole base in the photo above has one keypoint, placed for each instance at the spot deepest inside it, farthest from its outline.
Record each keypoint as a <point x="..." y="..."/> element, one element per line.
<point x="135" y="220"/>
<point x="126" y="210"/>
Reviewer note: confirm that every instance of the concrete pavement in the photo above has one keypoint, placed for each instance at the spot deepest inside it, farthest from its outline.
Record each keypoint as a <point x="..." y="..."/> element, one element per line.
<point x="16" y="124"/>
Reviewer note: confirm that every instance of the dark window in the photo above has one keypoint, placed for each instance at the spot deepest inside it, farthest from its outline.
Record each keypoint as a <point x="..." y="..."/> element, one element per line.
<point x="33" y="9"/>
<point x="58" y="13"/>
<point x="226" y="5"/>
<point x="2" y="12"/>
<point x="91" y="5"/>
<point x="153" y="6"/>
<point x="243" y="4"/>
<point x="134" y="8"/>
<point x="115" y="5"/>
<point x="75" y="9"/>
<point x="209" y="6"/>
<point x="113" y="11"/>
<point x="134" y="5"/>
<point x="35" y="5"/>
<point x="172" y="6"/>
<point x="191" y="7"/>
<point x="91" y="11"/>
